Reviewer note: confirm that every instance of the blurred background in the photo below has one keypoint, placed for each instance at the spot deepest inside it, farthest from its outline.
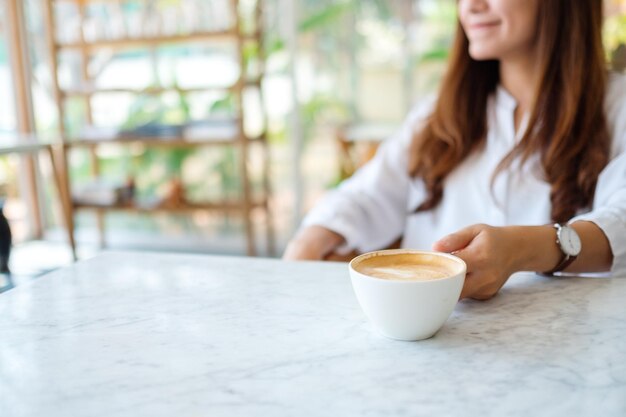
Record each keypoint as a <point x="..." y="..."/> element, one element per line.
<point x="206" y="126"/>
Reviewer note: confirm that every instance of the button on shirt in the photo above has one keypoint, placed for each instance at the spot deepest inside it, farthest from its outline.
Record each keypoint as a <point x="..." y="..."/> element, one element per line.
<point x="376" y="206"/>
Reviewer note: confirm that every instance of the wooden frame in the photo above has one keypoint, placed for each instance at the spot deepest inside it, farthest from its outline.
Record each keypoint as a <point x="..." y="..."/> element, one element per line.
<point x="31" y="146"/>
<point x="21" y="74"/>
<point x="240" y="140"/>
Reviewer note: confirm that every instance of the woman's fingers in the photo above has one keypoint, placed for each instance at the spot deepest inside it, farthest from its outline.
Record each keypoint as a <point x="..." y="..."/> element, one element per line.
<point x="473" y="275"/>
<point x="474" y="287"/>
<point x="456" y="241"/>
<point x="468" y="287"/>
<point x="475" y="246"/>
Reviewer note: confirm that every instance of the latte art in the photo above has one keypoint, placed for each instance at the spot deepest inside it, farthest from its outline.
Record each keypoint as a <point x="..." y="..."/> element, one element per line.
<point x="408" y="267"/>
<point x="407" y="272"/>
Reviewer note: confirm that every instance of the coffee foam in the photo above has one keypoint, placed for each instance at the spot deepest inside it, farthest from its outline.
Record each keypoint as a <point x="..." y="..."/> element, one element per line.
<point x="408" y="267"/>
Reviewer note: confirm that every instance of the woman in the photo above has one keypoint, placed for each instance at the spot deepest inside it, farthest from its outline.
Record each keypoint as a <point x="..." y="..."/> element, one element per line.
<point x="529" y="129"/>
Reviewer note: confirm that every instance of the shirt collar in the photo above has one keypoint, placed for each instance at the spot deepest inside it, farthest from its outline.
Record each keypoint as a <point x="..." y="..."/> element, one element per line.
<point x="505" y="99"/>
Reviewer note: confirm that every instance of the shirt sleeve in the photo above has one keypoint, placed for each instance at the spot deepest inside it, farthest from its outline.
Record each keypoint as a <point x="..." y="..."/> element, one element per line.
<point x="369" y="208"/>
<point x="609" y="205"/>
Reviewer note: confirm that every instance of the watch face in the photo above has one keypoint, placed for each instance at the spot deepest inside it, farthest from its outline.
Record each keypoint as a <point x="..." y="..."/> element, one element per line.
<point x="569" y="240"/>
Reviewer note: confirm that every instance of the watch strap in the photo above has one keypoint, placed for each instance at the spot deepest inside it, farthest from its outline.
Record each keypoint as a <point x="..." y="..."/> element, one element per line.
<point x="565" y="261"/>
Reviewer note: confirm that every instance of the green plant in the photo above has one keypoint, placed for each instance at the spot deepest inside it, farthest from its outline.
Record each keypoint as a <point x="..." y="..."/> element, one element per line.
<point x="614" y="34"/>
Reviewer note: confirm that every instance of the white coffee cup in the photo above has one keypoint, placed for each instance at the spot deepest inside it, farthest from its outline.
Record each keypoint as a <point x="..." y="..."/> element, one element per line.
<point x="407" y="294"/>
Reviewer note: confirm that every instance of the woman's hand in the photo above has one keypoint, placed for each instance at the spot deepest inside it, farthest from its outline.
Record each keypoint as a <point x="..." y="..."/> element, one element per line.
<point x="313" y="243"/>
<point x="491" y="255"/>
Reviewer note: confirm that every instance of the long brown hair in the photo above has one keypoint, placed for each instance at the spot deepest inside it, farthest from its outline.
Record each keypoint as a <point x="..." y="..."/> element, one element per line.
<point x="567" y="126"/>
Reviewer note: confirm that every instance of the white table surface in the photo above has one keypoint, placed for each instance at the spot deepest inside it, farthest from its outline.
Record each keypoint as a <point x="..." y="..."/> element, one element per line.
<point x="132" y="334"/>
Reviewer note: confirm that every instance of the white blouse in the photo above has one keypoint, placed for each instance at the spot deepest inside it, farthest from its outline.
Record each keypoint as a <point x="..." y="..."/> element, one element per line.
<point x="376" y="206"/>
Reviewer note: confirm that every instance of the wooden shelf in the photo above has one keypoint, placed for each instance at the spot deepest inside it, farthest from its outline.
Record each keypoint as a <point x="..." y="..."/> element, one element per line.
<point x="139" y="208"/>
<point x="155" y="41"/>
<point x="224" y="132"/>
<point x="91" y="90"/>
<point x="84" y="1"/>
<point x="211" y="132"/>
<point x="164" y="142"/>
<point x="20" y="144"/>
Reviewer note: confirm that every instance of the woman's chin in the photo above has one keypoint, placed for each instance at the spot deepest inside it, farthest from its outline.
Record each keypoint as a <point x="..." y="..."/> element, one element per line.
<point x="482" y="54"/>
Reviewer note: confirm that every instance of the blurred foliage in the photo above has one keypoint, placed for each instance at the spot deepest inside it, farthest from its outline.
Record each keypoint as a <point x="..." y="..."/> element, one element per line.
<point x="330" y="31"/>
<point x="439" y="54"/>
<point x="327" y="16"/>
<point x="614" y="38"/>
<point x="330" y="25"/>
<point x="322" y="109"/>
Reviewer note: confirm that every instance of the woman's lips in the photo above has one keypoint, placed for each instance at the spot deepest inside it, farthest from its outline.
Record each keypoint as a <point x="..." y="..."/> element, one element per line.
<point x="483" y="25"/>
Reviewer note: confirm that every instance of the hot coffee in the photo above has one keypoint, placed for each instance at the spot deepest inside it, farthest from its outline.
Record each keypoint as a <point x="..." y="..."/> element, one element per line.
<point x="407" y="294"/>
<point x="408" y="267"/>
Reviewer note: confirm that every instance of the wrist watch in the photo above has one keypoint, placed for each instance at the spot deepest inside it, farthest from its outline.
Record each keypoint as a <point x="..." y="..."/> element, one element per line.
<point x="568" y="241"/>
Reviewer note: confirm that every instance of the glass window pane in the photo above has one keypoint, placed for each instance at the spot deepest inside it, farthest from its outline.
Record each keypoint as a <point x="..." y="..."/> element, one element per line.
<point x="7" y="115"/>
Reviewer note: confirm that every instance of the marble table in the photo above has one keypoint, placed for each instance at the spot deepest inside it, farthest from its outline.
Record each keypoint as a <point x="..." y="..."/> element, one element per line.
<point x="137" y="334"/>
